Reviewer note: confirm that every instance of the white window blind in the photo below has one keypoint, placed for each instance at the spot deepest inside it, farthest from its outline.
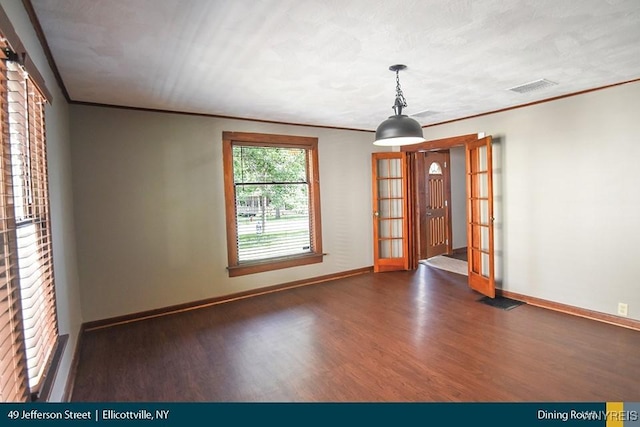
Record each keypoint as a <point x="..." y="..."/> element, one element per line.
<point x="32" y="223"/>
<point x="13" y="368"/>
<point x="272" y="202"/>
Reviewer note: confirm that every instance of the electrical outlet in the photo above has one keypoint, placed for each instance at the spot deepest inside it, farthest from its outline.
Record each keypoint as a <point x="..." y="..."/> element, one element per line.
<point x="622" y="309"/>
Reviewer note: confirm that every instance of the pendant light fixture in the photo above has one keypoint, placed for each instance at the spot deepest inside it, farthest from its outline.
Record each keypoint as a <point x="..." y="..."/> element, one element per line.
<point x="399" y="129"/>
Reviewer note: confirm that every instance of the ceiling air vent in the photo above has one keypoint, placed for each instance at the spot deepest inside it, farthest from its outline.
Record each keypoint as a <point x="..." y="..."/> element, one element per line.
<point x="534" y="85"/>
<point x="425" y="113"/>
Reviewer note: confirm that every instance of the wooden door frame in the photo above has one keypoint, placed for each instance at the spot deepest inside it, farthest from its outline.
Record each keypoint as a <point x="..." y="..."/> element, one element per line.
<point x="440" y="144"/>
<point x="432" y="145"/>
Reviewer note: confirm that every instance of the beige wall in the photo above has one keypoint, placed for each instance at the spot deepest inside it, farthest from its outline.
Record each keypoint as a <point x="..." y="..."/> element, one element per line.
<point x="151" y="227"/>
<point x="458" y="198"/>
<point x="150" y="208"/>
<point x="62" y="221"/>
<point x="568" y="197"/>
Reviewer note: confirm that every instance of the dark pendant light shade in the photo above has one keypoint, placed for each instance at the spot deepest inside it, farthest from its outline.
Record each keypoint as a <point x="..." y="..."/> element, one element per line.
<point x="399" y="129"/>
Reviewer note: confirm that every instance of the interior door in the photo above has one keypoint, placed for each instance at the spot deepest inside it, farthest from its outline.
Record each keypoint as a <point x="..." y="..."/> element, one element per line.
<point x="480" y="250"/>
<point x="390" y="225"/>
<point x="436" y="204"/>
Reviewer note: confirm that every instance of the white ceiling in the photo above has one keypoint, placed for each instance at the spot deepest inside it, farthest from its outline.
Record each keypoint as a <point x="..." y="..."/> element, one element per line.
<point x="325" y="62"/>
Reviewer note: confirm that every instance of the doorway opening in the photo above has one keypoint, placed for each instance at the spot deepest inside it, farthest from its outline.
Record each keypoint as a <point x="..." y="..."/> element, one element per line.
<point x="441" y="232"/>
<point x="477" y="188"/>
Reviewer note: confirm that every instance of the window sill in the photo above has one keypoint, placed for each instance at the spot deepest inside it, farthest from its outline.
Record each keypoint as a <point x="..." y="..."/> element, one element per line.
<point x="274" y="264"/>
<point x="44" y="393"/>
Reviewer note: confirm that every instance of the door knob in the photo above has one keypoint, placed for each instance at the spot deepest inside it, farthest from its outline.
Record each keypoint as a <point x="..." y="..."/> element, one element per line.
<point x="376" y="213"/>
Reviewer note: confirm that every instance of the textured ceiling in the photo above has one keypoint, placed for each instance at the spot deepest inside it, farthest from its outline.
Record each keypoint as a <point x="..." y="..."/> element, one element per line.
<point x="325" y="62"/>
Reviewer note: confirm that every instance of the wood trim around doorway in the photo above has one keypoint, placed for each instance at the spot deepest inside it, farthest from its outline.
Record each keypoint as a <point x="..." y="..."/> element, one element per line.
<point x="440" y="144"/>
<point x="411" y="153"/>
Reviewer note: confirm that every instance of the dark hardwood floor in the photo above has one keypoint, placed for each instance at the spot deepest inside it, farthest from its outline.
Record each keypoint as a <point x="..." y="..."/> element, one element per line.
<point x="406" y="336"/>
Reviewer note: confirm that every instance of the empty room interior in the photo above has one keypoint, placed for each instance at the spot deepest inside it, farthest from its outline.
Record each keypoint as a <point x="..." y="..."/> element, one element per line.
<point x="232" y="200"/>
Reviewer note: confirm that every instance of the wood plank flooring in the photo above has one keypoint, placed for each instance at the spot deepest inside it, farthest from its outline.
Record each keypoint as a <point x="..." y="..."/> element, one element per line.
<point x="405" y="336"/>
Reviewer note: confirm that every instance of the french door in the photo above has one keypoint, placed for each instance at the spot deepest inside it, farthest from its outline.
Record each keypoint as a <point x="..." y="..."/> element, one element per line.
<point x="394" y="200"/>
<point x="480" y="247"/>
<point x="390" y="226"/>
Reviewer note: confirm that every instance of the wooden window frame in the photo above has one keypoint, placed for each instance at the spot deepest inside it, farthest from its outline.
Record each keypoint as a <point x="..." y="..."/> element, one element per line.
<point x="310" y="144"/>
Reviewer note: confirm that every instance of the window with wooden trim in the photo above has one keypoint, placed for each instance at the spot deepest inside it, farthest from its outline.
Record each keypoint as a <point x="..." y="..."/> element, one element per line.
<point x="272" y="197"/>
<point x="28" y="320"/>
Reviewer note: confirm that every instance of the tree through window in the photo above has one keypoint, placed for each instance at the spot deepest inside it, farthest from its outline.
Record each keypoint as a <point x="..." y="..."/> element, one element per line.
<point x="272" y="197"/>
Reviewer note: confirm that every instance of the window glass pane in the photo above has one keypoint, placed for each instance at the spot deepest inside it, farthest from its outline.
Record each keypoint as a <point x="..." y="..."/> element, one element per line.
<point x="390" y="208"/>
<point x="396" y="251"/>
<point x="383" y="168"/>
<point x="390" y="248"/>
<point x="389" y="168"/>
<point x="396" y="208"/>
<point x="395" y="166"/>
<point x="384" y="230"/>
<point x="482" y="159"/>
<point x="272" y="202"/>
<point x="269" y="164"/>
<point x="396" y="227"/>
<point x="483" y="185"/>
<point x="385" y="248"/>
<point x="435" y="169"/>
<point x="384" y="208"/>
<point x="484" y="211"/>
<point x="388" y="228"/>
<point x="484" y="262"/>
<point x="484" y="238"/>
<point x="390" y="188"/>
